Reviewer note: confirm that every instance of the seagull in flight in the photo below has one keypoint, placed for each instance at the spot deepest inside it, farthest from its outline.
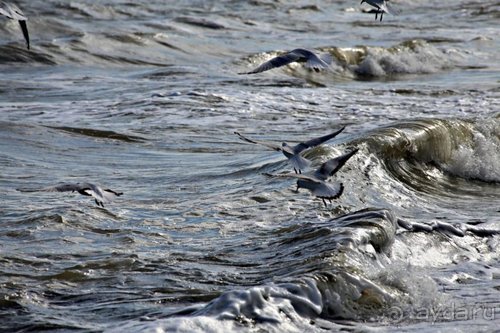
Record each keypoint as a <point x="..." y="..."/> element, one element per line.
<point x="11" y="11"/>
<point x="311" y="60"/>
<point x="317" y="183"/>
<point x="292" y="153"/>
<point x="380" y="5"/>
<point x="101" y="196"/>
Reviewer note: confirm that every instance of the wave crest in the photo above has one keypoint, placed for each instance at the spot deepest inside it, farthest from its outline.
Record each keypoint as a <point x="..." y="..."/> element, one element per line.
<point x="410" y="57"/>
<point x="478" y="158"/>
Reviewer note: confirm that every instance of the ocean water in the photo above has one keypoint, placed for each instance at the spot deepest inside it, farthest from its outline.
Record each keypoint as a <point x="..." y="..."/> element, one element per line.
<point x="144" y="97"/>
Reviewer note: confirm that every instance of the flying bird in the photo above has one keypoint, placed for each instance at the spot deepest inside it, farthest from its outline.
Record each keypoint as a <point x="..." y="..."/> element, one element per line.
<point x="317" y="183"/>
<point x="319" y="188"/>
<point x="11" y="11"/>
<point x="101" y="196"/>
<point x="292" y="153"/>
<point x="380" y="5"/>
<point x="311" y="60"/>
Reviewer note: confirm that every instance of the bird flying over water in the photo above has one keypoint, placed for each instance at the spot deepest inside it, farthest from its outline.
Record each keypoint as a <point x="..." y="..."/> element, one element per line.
<point x="319" y="188"/>
<point x="11" y="11"/>
<point x="292" y="153"/>
<point x="380" y="5"/>
<point x="311" y="60"/>
<point x="317" y="183"/>
<point x="101" y="196"/>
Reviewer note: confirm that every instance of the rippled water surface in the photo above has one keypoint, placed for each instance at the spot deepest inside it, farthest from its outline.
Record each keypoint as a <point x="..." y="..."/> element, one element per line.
<point x="144" y="98"/>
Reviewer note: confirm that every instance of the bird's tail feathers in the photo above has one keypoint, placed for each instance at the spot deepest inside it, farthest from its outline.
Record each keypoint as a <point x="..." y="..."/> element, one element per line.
<point x="299" y="162"/>
<point x="392" y="10"/>
<point x="316" y="64"/>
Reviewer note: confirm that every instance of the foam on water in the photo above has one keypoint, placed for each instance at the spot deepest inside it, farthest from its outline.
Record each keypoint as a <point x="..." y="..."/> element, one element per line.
<point x="411" y="57"/>
<point x="378" y="287"/>
<point x="478" y="158"/>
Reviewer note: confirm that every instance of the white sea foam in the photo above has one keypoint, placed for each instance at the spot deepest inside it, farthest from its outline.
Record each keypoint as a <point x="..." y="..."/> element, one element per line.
<point x="479" y="158"/>
<point x="413" y="57"/>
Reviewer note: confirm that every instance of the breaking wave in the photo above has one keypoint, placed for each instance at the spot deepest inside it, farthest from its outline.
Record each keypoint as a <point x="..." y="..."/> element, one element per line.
<point x="409" y="57"/>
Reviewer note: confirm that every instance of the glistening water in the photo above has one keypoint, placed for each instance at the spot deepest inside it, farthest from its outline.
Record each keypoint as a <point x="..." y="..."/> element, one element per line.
<point x="144" y="97"/>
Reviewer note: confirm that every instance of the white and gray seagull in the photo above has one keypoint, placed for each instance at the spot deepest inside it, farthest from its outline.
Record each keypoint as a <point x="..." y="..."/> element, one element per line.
<point x="100" y="195"/>
<point x="11" y="11"/>
<point x="317" y="182"/>
<point x="292" y="153"/>
<point x="311" y="60"/>
<point x="380" y="5"/>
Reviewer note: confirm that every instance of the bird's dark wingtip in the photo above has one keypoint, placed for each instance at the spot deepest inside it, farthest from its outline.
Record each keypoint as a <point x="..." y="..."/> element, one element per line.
<point x="27" y="190"/>
<point x="340" y="130"/>
<point x="114" y="192"/>
<point x="24" y="28"/>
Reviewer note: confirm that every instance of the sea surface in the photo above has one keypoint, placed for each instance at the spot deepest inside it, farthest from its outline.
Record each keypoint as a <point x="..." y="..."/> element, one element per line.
<point x="144" y="97"/>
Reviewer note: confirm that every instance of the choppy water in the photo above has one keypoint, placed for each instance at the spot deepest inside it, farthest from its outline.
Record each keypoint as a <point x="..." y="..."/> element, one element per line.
<point x="143" y="97"/>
